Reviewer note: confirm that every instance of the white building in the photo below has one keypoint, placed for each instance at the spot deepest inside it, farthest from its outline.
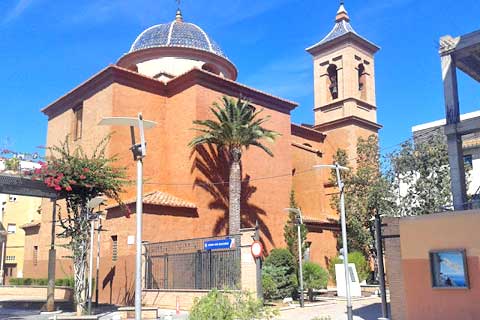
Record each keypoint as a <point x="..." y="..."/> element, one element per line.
<point x="470" y="142"/>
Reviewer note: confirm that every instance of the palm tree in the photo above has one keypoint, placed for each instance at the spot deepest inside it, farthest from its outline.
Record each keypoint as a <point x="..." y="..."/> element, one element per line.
<point x="237" y="126"/>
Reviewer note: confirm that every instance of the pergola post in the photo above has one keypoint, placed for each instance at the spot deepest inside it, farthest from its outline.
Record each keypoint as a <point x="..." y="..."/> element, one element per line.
<point x="50" y="304"/>
<point x="454" y="139"/>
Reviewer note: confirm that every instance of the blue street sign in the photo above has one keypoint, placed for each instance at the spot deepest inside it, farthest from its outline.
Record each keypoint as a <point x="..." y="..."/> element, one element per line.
<point x="219" y="244"/>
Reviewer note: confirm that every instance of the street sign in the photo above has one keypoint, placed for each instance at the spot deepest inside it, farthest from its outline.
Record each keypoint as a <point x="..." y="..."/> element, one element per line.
<point x="257" y="249"/>
<point x="219" y="244"/>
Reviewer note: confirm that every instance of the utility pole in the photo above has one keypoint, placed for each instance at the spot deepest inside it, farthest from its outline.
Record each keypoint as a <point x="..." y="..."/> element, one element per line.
<point x="139" y="152"/>
<point x="299" y="221"/>
<point x="340" y="185"/>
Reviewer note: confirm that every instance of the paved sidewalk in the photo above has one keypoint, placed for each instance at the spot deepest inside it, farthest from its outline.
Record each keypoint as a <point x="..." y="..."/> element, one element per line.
<point x="365" y="309"/>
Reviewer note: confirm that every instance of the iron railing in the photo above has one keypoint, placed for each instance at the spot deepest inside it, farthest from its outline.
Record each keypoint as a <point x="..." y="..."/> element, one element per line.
<point x="186" y="265"/>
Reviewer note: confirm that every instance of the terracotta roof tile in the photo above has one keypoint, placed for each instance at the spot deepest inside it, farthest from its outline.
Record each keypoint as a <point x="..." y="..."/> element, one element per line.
<point x="160" y="198"/>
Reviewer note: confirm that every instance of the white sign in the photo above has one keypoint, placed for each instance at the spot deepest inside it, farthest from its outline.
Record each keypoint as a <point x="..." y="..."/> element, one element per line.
<point x="131" y="240"/>
<point x="355" y="290"/>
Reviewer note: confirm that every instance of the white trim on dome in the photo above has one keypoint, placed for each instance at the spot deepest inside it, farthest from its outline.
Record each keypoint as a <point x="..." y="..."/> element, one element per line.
<point x="170" y="31"/>
<point x="206" y="38"/>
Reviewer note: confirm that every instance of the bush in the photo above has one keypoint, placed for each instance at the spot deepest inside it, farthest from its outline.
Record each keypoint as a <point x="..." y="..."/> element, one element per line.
<point x="314" y="277"/>
<point x="278" y="275"/>
<point x="218" y="306"/>
<point x="66" y="282"/>
<point x="357" y="258"/>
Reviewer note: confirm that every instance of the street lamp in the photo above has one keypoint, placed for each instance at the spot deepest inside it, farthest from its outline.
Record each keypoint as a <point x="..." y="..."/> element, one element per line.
<point x="139" y="152"/>
<point x="91" y="205"/>
<point x="337" y="169"/>
<point x="300" y="267"/>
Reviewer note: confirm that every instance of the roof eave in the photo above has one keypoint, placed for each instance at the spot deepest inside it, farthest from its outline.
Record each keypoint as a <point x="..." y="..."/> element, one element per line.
<point x="319" y="46"/>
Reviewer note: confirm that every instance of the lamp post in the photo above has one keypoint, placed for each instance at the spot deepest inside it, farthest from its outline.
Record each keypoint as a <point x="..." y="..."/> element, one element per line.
<point x="95" y="202"/>
<point x="337" y="169"/>
<point x="139" y="152"/>
<point x="300" y="260"/>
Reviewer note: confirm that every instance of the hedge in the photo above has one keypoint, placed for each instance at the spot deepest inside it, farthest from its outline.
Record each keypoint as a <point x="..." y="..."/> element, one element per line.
<point x="65" y="282"/>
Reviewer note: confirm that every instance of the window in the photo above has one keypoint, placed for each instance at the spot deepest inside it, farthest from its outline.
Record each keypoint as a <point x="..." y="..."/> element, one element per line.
<point x="77" y="122"/>
<point x="211" y="68"/>
<point x="333" y="81"/>
<point x="12" y="228"/>
<point x="449" y="269"/>
<point x="12" y="198"/>
<point x="468" y="160"/>
<point x="114" y="248"/>
<point x="35" y="255"/>
<point x="361" y="78"/>
<point x="10" y="258"/>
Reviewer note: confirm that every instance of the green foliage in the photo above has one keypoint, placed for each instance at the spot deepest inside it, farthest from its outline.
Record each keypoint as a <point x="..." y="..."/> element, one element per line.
<point x="290" y="231"/>
<point x="219" y="306"/>
<point x="314" y="276"/>
<point x="358" y="259"/>
<point x="269" y="284"/>
<point x="422" y="172"/>
<point x="12" y="164"/>
<point x="367" y="191"/>
<point x="237" y="125"/>
<point x="65" y="282"/>
<point x="278" y="274"/>
<point x="214" y="306"/>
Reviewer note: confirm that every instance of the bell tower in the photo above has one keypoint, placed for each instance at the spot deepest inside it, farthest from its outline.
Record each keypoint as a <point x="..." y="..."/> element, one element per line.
<point x="344" y="83"/>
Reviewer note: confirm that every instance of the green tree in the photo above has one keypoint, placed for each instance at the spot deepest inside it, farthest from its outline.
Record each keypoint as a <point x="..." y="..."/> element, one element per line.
<point x="367" y="191"/>
<point x="237" y="126"/>
<point x="355" y="257"/>
<point x="314" y="277"/>
<point x="290" y="232"/>
<point x="278" y="274"/>
<point x="420" y="172"/>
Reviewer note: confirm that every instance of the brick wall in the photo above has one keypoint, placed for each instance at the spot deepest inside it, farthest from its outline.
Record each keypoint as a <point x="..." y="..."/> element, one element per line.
<point x="393" y="266"/>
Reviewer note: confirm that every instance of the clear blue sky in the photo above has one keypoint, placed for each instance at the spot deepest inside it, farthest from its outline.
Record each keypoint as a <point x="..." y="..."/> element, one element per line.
<point x="49" y="47"/>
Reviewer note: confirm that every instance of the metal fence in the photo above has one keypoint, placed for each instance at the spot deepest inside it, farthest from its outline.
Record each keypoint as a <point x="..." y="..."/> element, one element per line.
<point x="186" y="265"/>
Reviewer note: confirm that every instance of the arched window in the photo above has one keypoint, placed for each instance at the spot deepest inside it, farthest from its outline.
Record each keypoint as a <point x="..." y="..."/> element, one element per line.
<point x="361" y="80"/>
<point x="211" y="68"/>
<point x="333" y="81"/>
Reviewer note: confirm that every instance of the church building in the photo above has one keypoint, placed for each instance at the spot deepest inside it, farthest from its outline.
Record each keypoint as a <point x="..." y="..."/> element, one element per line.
<point x="173" y="73"/>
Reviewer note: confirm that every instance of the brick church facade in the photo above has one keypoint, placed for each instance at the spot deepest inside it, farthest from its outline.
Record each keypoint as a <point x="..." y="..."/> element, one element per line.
<point x="172" y="74"/>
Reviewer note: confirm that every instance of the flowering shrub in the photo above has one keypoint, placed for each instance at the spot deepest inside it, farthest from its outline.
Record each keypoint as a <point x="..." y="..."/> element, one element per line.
<point x="78" y="178"/>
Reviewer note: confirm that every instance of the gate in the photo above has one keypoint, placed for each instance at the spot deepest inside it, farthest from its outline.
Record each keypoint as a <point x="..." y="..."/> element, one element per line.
<point x="185" y="264"/>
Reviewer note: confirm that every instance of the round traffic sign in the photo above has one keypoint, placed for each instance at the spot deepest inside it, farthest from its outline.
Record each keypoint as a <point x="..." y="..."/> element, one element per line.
<point x="257" y="249"/>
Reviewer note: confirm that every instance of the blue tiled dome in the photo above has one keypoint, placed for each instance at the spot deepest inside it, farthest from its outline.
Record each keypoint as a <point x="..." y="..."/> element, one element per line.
<point x="176" y="34"/>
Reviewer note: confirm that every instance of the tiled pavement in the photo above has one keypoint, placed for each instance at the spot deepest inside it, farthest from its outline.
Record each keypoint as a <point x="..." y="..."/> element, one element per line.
<point x="364" y="309"/>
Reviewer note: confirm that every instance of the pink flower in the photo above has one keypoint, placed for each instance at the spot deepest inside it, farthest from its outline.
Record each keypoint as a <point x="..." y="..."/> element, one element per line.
<point x="58" y="188"/>
<point x="86" y="170"/>
<point x="68" y="188"/>
<point x="82" y="177"/>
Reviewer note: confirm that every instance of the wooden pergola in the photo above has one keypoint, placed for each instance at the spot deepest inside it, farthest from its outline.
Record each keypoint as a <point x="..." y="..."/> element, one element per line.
<point x="24" y="186"/>
<point x="462" y="52"/>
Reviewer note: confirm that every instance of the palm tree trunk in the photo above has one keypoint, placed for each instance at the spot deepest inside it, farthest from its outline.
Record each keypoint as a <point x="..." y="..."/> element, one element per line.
<point x="234" y="193"/>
